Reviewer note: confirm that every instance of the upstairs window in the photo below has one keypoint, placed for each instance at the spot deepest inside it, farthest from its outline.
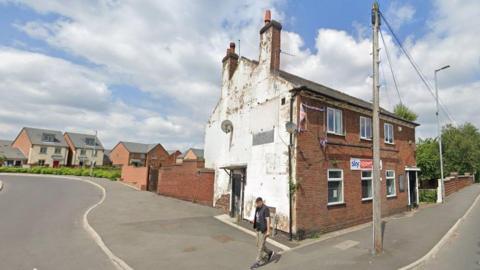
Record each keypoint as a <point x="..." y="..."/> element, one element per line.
<point x="83" y="152"/>
<point x="43" y="150"/>
<point x="90" y="141"/>
<point x="58" y="150"/>
<point x="46" y="137"/>
<point x="388" y="133"/>
<point x="335" y="121"/>
<point x="365" y="128"/>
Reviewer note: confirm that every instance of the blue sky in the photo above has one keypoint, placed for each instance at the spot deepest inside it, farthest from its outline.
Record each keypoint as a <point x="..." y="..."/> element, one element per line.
<point x="154" y="75"/>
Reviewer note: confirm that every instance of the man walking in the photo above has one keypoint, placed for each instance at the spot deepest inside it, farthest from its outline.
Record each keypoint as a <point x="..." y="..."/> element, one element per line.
<point x="262" y="225"/>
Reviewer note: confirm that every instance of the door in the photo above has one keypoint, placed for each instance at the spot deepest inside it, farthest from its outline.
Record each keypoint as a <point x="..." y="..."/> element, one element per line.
<point x="237" y="194"/>
<point x="152" y="179"/>
<point x="56" y="163"/>
<point x="412" y="186"/>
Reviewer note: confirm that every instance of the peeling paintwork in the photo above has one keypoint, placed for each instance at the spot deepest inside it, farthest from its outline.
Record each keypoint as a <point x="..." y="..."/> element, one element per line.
<point x="252" y="100"/>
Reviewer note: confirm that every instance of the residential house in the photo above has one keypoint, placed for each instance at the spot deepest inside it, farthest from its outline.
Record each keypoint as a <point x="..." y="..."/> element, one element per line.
<point x="193" y="154"/>
<point x="106" y="157"/>
<point x="84" y="149"/>
<point x="10" y="156"/>
<point x="42" y="147"/>
<point x="138" y="154"/>
<point x="303" y="147"/>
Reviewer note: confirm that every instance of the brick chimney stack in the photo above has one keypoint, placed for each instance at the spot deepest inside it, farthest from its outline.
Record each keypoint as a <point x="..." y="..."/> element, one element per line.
<point x="230" y="61"/>
<point x="270" y="42"/>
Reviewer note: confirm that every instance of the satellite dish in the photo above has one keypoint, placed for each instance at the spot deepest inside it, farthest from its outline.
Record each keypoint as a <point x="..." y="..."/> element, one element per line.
<point x="290" y="127"/>
<point x="227" y="126"/>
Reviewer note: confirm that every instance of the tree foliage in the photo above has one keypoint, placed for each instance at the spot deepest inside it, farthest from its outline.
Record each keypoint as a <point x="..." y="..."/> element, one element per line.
<point x="461" y="152"/>
<point x="404" y="112"/>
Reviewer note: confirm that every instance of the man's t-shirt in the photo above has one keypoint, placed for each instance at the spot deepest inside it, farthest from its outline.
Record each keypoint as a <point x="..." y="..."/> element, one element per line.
<point x="261" y="215"/>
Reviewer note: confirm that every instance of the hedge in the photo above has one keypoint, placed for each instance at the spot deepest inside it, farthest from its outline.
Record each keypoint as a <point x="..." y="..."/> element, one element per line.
<point x="109" y="173"/>
<point x="428" y="195"/>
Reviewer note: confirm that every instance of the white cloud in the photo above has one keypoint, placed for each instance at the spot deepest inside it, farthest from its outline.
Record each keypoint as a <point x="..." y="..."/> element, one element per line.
<point x="400" y="14"/>
<point x="173" y="50"/>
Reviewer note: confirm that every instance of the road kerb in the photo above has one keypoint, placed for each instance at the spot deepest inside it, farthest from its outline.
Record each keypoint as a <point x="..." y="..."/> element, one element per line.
<point x="443" y="240"/>
<point x="1" y="185"/>
<point x="224" y="219"/>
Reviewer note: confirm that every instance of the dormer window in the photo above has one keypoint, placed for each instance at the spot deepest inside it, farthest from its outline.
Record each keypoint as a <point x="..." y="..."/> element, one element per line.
<point x="48" y="137"/>
<point x="90" y="141"/>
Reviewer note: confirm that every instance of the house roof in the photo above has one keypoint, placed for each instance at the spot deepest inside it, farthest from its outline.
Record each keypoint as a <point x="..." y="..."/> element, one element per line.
<point x="10" y="152"/>
<point x="36" y="137"/>
<point x="304" y="84"/>
<point x="198" y="152"/>
<point x="80" y="140"/>
<point x="141" y="148"/>
<point x="173" y="151"/>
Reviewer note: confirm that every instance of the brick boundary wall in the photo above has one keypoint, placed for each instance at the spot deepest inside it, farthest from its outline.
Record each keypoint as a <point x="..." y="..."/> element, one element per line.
<point x="136" y="176"/>
<point x="188" y="181"/>
<point x="456" y="183"/>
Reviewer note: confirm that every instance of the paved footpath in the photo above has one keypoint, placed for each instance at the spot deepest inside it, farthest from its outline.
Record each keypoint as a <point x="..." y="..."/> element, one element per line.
<point x="149" y="231"/>
<point x="462" y="250"/>
<point x="405" y="240"/>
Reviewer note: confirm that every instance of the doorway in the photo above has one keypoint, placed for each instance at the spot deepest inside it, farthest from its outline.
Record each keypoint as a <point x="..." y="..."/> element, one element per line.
<point x="238" y="186"/>
<point x="412" y="189"/>
<point x="56" y="164"/>
<point x="152" y="179"/>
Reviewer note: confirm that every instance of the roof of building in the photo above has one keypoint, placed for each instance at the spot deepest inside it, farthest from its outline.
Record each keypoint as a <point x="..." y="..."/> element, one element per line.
<point x="300" y="83"/>
<point x="36" y="136"/>
<point x="141" y="148"/>
<point x="198" y="152"/>
<point x="10" y="152"/>
<point x="80" y="140"/>
<point x="173" y="151"/>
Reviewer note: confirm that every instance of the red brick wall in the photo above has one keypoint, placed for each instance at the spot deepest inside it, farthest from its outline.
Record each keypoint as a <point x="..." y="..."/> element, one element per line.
<point x="119" y="155"/>
<point x="23" y="143"/>
<point x="187" y="181"/>
<point x="312" y="162"/>
<point x="136" y="176"/>
<point x="457" y="183"/>
<point x="158" y="157"/>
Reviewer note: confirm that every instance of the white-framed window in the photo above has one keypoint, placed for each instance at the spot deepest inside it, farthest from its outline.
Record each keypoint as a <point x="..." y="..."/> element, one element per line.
<point x="83" y="152"/>
<point x="365" y="128"/>
<point x="41" y="162"/>
<point x="335" y="186"/>
<point x="58" y="150"/>
<point x="367" y="191"/>
<point x="388" y="133"/>
<point x="43" y="150"/>
<point x="335" y="121"/>
<point x="390" y="176"/>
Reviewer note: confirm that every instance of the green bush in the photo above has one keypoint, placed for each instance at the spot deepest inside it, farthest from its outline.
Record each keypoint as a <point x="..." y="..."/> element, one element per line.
<point x="103" y="172"/>
<point x="428" y="195"/>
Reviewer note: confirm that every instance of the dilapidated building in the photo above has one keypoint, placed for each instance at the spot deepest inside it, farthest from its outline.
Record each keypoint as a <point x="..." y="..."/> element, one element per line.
<point x="303" y="147"/>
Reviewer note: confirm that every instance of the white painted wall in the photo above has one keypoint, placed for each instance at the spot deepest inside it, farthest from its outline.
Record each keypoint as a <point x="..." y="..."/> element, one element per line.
<point x="251" y="100"/>
<point x="89" y="154"/>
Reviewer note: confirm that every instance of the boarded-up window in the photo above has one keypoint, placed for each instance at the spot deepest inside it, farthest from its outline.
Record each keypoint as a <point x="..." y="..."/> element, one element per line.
<point x="401" y="182"/>
<point x="263" y="137"/>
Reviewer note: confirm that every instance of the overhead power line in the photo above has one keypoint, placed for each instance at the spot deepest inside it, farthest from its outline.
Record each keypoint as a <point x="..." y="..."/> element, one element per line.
<point x="391" y="67"/>
<point x="416" y="67"/>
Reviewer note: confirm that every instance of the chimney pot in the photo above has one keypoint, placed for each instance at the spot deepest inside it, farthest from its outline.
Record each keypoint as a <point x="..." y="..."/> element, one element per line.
<point x="232" y="47"/>
<point x="268" y="16"/>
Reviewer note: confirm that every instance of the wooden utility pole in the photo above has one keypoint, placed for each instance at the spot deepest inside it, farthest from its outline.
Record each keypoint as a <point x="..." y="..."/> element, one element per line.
<point x="377" y="187"/>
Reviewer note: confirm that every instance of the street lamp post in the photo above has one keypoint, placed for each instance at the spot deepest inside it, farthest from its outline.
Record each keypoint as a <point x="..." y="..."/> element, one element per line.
<point x="442" y="180"/>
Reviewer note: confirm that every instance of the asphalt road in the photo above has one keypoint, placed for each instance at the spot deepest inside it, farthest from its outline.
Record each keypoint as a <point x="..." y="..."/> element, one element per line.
<point x="462" y="251"/>
<point x="41" y="224"/>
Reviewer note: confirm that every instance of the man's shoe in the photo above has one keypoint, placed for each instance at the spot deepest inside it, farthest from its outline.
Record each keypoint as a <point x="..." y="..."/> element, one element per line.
<point x="271" y="255"/>
<point x="255" y="265"/>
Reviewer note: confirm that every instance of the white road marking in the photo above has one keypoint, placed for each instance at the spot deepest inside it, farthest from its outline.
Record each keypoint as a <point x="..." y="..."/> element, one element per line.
<point x="346" y="244"/>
